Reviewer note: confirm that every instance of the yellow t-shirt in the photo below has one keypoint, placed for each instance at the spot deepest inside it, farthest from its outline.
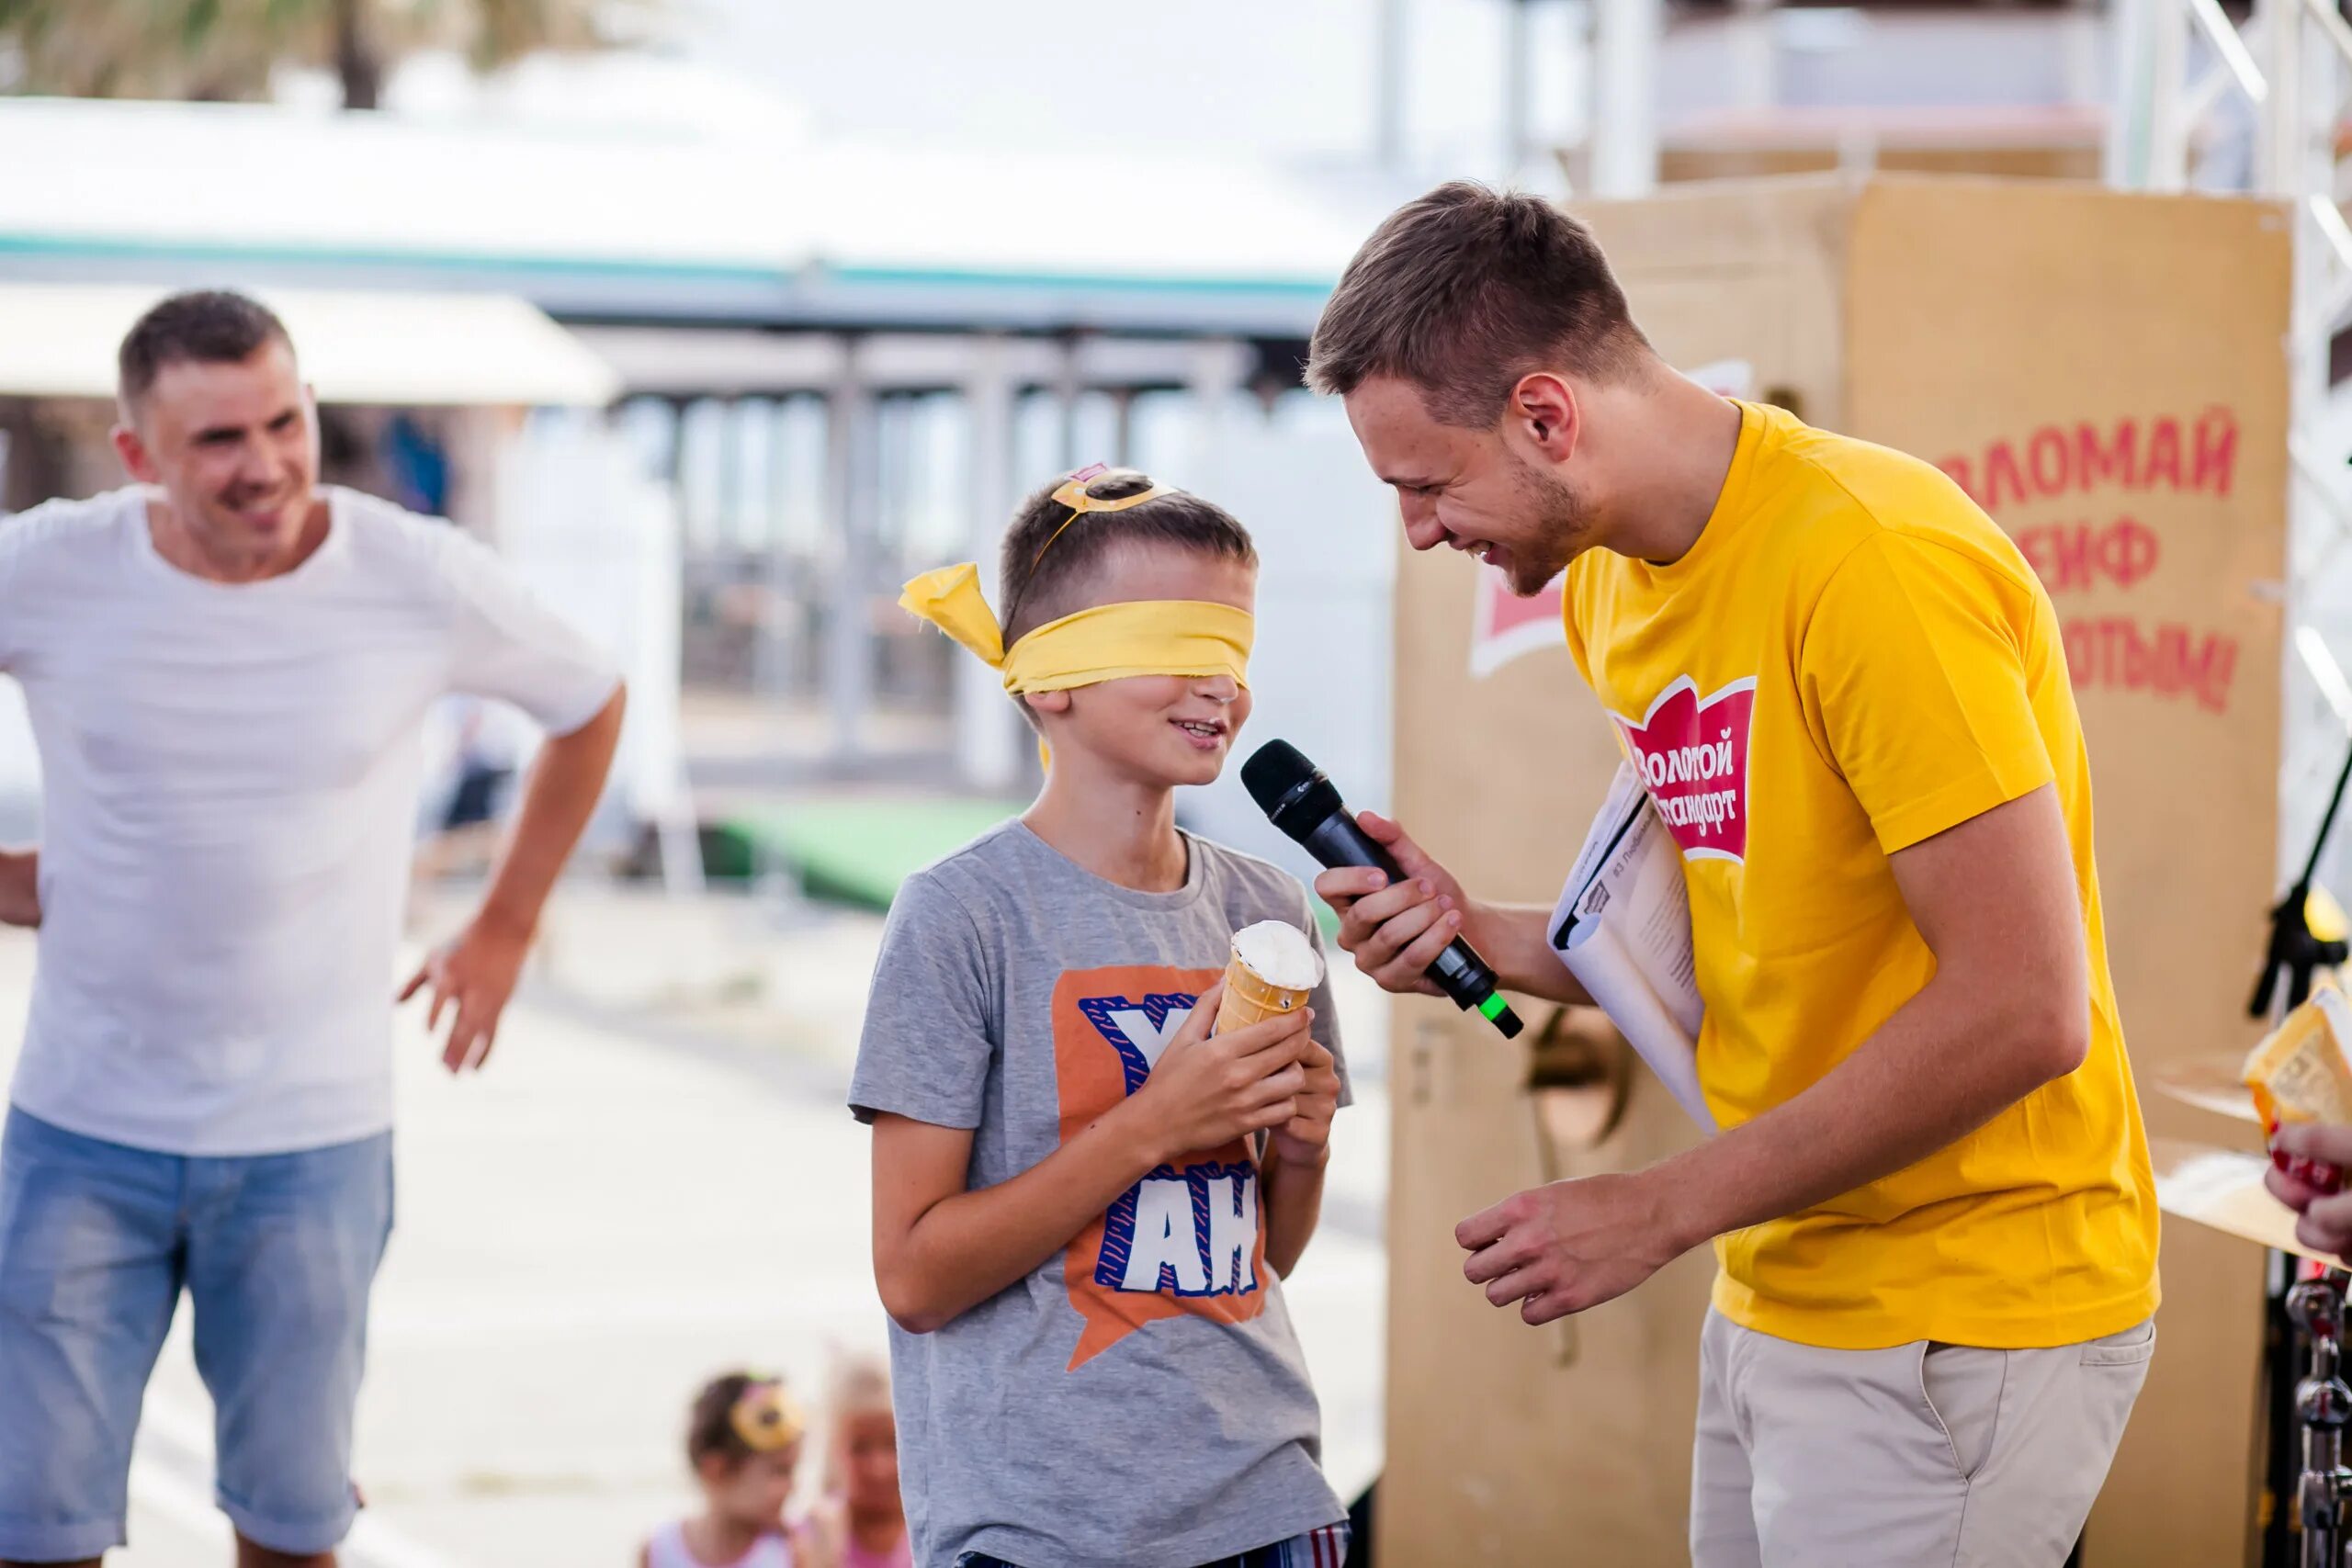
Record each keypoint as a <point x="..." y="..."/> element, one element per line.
<point x="1853" y="657"/>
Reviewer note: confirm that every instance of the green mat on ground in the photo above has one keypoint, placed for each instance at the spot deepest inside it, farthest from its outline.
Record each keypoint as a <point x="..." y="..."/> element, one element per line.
<point x="859" y="851"/>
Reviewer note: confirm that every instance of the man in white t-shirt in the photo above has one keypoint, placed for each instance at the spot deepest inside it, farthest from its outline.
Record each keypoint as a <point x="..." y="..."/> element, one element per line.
<point x="227" y="667"/>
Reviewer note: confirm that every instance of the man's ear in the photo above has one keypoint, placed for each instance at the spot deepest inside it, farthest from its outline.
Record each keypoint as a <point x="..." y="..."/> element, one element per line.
<point x="1543" y="411"/>
<point x="132" y="450"/>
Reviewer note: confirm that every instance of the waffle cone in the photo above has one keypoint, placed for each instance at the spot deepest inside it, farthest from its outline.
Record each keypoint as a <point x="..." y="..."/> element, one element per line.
<point x="1250" y="997"/>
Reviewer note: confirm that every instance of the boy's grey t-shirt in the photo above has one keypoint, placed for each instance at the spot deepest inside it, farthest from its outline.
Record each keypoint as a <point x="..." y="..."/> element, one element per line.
<point x="1139" y="1399"/>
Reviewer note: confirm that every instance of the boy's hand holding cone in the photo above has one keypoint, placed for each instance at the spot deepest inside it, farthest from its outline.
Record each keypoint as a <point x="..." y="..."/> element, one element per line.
<point x="1273" y="971"/>
<point x="1205" y="1092"/>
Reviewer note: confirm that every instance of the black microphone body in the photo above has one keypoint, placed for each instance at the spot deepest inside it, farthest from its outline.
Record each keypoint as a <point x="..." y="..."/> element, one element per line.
<point x="1295" y="793"/>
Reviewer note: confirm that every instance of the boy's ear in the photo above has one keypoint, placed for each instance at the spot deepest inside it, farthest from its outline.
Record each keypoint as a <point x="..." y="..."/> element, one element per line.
<point x="1047" y="702"/>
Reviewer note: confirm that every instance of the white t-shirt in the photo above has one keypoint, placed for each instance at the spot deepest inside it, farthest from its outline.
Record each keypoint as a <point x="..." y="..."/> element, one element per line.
<point x="229" y="778"/>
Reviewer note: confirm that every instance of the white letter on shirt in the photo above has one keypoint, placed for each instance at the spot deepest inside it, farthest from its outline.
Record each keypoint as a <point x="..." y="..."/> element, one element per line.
<point x="1233" y="1232"/>
<point x="1135" y="1024"/>
<point x="1165" y="1234"/>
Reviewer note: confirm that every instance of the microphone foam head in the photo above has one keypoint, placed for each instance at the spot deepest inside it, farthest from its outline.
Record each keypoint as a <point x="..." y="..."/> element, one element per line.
<point x="1273" y="770"/>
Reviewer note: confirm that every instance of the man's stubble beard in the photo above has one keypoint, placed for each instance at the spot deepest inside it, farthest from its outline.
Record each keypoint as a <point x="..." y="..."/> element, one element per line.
<point x="1563" y="530"/>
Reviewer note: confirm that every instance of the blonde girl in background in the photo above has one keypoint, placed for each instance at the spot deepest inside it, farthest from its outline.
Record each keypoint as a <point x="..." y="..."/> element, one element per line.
<point x="862" y="1510"/>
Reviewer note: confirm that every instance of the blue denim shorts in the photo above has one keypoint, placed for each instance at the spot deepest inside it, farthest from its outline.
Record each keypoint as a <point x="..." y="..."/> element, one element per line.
<point x="277" y="1253"/>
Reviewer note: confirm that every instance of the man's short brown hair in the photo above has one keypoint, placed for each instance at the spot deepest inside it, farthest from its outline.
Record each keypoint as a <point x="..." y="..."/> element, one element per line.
<point x="1466" y="291"/>
<point x="207" y="326"/>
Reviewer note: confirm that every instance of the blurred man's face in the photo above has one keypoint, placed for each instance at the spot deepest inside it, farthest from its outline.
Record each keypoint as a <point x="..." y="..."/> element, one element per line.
<point x="235" y="447"/>
<point x="1474" y="490"/>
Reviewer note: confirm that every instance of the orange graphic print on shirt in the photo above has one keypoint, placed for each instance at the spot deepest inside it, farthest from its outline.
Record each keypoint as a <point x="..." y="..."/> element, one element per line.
<point x="1186" y="1239"/>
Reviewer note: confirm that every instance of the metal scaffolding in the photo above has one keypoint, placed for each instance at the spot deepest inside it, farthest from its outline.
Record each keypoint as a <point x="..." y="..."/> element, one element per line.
<point x="2204" y="104"/>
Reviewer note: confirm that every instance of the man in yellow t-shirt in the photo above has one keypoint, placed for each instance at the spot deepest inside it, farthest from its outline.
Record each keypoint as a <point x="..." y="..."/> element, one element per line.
<point x="1930" y="1201"/>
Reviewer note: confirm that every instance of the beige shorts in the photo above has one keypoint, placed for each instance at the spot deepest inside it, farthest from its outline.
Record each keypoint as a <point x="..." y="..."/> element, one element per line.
<point x="1920" y="1454"/>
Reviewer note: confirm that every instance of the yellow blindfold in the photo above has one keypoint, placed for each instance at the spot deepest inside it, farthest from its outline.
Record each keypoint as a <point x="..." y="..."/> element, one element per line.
<point x="1109" y="642"/>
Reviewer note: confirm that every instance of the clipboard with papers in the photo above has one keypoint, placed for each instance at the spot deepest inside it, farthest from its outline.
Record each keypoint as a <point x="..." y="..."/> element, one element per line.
<point x="1623" y="928"/>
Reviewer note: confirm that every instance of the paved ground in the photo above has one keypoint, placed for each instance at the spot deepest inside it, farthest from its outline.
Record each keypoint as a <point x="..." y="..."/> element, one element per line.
<point x="653" y="1180"/>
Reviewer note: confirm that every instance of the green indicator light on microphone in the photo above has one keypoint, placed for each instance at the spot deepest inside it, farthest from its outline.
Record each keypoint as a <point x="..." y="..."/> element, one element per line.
<point x="1497" y="1011"/>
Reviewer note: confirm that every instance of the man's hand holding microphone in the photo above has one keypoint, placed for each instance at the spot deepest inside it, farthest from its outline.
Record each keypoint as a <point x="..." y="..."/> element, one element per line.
<point x="1554" y="1249"/>
<point x="1395" y="928"/>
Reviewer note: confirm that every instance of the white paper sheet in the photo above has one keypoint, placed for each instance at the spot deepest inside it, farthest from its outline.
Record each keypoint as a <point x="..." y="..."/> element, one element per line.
<point x="1622" y="927"/>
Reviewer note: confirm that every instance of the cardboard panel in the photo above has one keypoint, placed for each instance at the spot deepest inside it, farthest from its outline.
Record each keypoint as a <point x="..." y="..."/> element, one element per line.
<point x="1752" y="272"/>
<point x="1677" y="164"/>
<point x="2104" y="372"/>
<point x="1506" y="1443"/>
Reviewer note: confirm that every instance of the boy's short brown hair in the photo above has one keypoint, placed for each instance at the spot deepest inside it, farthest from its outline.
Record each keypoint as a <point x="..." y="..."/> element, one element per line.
<point x="1463" y="291"/>
<point x="1042" y="575"/>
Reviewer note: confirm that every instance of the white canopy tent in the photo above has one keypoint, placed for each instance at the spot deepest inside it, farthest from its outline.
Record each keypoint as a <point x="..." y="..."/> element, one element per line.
<point x="409" y="350"/>
<point x="729" y="223"/>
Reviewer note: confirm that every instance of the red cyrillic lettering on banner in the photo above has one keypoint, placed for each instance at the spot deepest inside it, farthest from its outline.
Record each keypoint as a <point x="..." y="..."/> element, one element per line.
<point x="2170" y="660"/>
<point x="2071" y="557"/>
<point x="2217" y="450"/>
<point x="2112" y="463"/>
<point x="2003" y="481"/>
<point x="2046" y="456"/>
<point x="2163" y="456"/>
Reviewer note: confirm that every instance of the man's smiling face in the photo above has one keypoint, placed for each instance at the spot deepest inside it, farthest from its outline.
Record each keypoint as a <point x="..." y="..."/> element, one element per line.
<point x="1468" y="488"/>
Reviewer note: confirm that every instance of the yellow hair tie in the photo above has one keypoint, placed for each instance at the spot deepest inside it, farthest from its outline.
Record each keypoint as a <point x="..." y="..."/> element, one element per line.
<point x="765" y="1418"/>
<point x="1108" y="642"/>
<point x="1071" y="492"/>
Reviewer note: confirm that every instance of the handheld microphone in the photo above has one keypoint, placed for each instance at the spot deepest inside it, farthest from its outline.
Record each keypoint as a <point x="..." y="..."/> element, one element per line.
<point x="1294" y="793"/>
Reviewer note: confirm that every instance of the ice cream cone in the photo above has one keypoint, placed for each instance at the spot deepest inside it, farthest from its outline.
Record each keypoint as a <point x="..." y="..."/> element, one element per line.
<point x="1272" y="969"/>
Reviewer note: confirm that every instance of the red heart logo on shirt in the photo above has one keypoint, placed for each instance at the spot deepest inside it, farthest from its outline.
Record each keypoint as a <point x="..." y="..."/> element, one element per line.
<point x="1692" y="754"/>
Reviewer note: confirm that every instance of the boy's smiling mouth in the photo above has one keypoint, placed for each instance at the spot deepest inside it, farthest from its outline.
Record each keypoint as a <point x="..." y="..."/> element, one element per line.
<point x="1206" y="734"/>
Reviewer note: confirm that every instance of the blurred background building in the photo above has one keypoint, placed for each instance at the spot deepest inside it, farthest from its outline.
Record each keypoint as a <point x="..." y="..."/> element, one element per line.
<point x="856" y="280"/>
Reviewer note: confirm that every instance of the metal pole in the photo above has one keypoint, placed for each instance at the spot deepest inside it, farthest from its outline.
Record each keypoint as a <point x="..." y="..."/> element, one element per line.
<point x="772" y="659"/>
<point x="1515" y="86"/>
<point x="1123" y="426"/>
<point x="2289" y="126"/>
<point x="1390" y="24"/>
<point x="2168" y="116"/>
<point x="1625" y="107"/>
<point x="1066" y="388"/>
<point x="1220" y="369"/>
<point x="849" y="633"/>
<point x="986" y="750"/>
<point x="2279" y="165"/>
<point x="2124" y="162"/>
